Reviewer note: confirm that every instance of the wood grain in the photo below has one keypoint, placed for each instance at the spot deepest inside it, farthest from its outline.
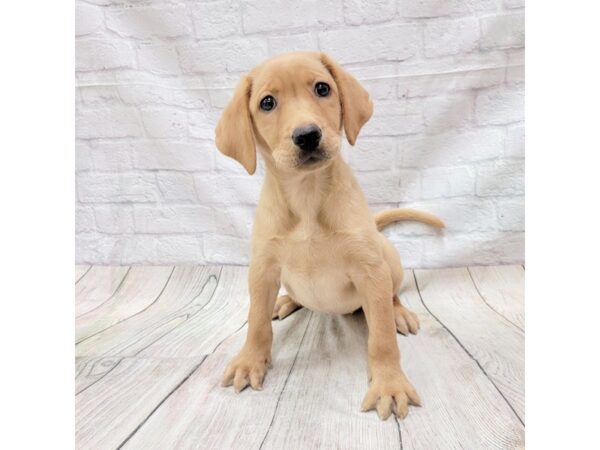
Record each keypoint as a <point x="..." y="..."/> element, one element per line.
<point x="502" y="288"/>
<point x="496" y="345"/>
<point x="188" y="291"/>
<point x="139" y="290"/>
<point x="97" y="286"/>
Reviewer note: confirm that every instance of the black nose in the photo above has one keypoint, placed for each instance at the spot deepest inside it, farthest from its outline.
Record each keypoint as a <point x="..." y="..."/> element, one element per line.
<point x="307" y="138"/>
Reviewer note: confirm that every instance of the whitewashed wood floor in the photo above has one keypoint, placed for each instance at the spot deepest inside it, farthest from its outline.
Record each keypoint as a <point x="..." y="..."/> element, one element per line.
<point x="152" y="343"/>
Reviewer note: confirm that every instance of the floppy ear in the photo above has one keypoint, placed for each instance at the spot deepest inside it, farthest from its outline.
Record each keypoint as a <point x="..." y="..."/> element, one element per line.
<point x="357" y="107"/>
<point x="234" y="135"/>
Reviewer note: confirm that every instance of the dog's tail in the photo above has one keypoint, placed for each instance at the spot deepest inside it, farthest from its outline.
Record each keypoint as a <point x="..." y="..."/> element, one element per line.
<point x="384" y="218"/>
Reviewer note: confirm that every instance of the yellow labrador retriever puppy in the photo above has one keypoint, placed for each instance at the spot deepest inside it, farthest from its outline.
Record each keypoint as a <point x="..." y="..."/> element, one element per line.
<point x="313" y="230"/>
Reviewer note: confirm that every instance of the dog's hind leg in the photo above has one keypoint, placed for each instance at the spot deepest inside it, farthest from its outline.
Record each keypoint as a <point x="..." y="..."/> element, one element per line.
<point x="406" y="320"/>
<point x="284" y="306"/>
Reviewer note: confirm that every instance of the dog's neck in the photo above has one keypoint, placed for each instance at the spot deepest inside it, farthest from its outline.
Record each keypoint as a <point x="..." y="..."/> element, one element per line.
<point x="305" y="194"/>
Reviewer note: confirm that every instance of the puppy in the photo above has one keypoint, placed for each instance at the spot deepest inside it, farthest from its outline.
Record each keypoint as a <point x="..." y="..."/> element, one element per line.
<point x="313" y="230"/>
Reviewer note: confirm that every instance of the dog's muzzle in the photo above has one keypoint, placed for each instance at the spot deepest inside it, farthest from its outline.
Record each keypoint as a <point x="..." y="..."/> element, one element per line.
<point x="307" y="139"/>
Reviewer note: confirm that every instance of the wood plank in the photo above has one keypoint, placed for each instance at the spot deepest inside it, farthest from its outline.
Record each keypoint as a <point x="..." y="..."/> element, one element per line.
<point x="202" y="414"/>
<point x="80" y="271"/>
<point x="189" y="290"/>
<point x="98" y="285"/>
<point x="495" y="344"/>
<point x="140" y="289"/>
<point x="110" y="409"/>
<point x="502" y="288"/>
<point x="320" y="405"/>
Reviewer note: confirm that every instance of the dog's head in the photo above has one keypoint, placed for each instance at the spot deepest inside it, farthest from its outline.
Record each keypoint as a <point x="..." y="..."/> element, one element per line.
<point x="293" y="107"/>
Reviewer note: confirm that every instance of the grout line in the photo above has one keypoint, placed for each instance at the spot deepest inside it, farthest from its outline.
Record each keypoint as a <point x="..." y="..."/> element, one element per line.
<point x="465" y="349"/>
<point x="133" y="315"/>
<point x="490" y="306"/>
<point x="84" y="274"/>
<point x="286" y="381"/>
<point x="110" y="297"/>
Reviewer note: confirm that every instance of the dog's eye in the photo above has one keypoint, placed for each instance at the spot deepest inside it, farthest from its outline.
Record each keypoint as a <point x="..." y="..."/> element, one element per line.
<point x="268" y="103"/>
<point x="322" y="89"/>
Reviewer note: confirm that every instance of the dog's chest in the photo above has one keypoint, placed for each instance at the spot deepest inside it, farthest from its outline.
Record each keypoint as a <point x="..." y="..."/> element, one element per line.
<point x="314" y="274"/>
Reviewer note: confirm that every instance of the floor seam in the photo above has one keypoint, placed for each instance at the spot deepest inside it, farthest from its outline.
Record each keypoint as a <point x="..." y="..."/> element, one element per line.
<point x="490" y="306"/>
<point x="286" y="381"/>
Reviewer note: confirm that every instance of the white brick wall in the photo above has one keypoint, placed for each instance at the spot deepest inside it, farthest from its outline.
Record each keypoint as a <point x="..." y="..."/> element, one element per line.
<point x="447" y="135"/>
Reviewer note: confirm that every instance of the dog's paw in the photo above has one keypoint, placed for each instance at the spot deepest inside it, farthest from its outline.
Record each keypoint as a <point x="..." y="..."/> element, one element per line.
<point x="390" y="393"/>
<point x="284" y="306"/>
<point x="406" y="320"/>
<point x="247" y="368"/>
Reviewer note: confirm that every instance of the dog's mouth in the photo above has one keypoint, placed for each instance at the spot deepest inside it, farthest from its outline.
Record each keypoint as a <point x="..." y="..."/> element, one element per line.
<point x="309" y="159"/>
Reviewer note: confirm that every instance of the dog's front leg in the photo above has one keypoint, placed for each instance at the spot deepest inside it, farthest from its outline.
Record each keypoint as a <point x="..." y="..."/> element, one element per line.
<point x="389" y="389"/>
<point x="251" y="363"/>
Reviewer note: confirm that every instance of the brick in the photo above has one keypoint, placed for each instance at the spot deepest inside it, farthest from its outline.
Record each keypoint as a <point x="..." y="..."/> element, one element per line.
<point x="452" y="148"/>
<point x="436" y="8"/>
<point x="503" y="31"/>
<point x="425" y="85"/>
<point x="147" y="22"/>
<point x="451" y="111"/>
<point x="232" y="55"/>
<point x="228" y="189"/>
<point x="500" y="105"/>
<point x="112" y="156"/>
<point x="167" y="155"/>
<point x="216" y="19"/>
<point x="165" y="122"/>
<point x="291" y="43"/>
<point x="100" y="96"/>
<point x="173" y="219"/>
<point x="158" y="96"/>
<point x="260" y="16"/>
<point x="102" y="54"/>
<point x="395" y="118"/>
<point x="390" y="186"/>
<point x="448" y="182"/>
<point x="116" y="187"/>
<point x="235" y="221"/>
<point x="84" y="219"/>
<point x="462" y="214"/>
<point x="396" y="42"/>
<point x="357" y="12"/>
<point x="373" y="154"/>
<point x="114" y="122"/>
<point x="183" y="249"/>
<point x="159" y="59"/>
<point x="501" y="178"/>
<point x="88" y="19"/>
<point x="410" y="250"/>
<point x="515" y="142"/>
<point x="494" y="247"/>
<point x="451" y="37"/>
<point x="380" y="80"/>
<point x="514" y="3"/>
<point x="225" y="249"/>
<point x="114" y="218"/>
<point x="511" y="214"/>
<point x="202" y="124"/>
<point x="83" y="156"/>
<point x="176" y="186"/>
